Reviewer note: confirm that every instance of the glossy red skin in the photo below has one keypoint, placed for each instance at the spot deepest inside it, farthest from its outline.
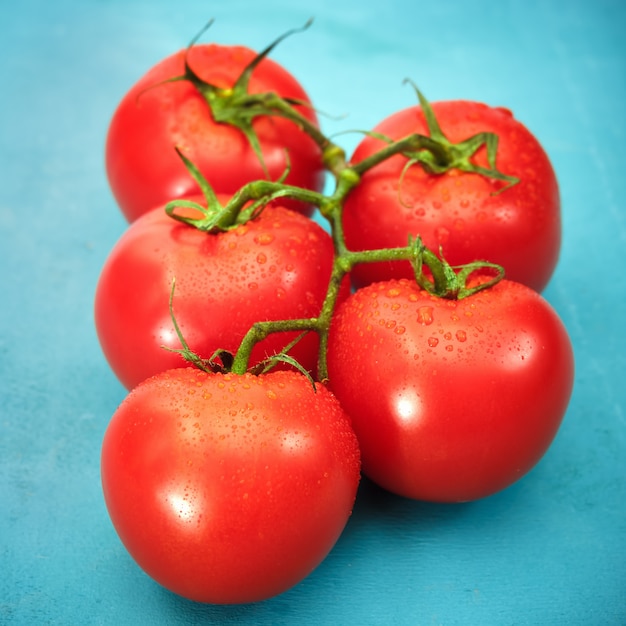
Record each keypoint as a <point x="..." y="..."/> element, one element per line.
<point x="451" y="400"/>
<point x="143" y="168"/>
<point x="229" y="489"/>
<point x="519" y="228"/>
<point x="273" y="268"/>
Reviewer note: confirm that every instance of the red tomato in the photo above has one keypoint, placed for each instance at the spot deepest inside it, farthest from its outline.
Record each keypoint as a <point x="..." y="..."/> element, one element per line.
<point x="451" y="400"/>
<point x="143" y="168"/>
<point x="226" y="488"/>
<point x="519" y="228"/>
<point x="275" y="267"/>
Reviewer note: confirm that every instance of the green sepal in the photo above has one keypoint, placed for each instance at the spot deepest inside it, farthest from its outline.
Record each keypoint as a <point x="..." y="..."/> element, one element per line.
<point x="443" y="155"/>
<point x="447" y="281"/>
<point x="234" y="105"/>
<point x="283" y="357"/>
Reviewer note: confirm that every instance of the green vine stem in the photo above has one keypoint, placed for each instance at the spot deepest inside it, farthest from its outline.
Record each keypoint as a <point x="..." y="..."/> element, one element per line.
<point x="446" y="281"/>
<point x="434" y="152"/>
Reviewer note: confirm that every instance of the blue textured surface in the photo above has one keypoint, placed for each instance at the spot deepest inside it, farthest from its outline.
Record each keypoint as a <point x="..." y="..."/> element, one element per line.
<point x="549" y="550"/>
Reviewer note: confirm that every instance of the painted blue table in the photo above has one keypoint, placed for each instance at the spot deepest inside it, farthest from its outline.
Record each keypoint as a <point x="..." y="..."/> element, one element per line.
<point x="549" y="550"/>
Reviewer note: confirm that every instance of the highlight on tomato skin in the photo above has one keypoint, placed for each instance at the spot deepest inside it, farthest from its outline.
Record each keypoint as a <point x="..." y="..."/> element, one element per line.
<point x="468" y="216"/>
<point x="451" y="400"/>
<point x="229" y="489"/>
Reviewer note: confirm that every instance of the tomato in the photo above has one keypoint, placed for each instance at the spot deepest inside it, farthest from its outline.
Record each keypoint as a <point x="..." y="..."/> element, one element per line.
<point x="152" y="118"/>
<point x="274" y="267"/>
<point x="463" y="213"/>
<point x="226" y="488"/>
<point x="451" y="400"/>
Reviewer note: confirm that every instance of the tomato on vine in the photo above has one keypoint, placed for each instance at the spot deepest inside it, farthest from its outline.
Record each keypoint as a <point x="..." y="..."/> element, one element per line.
<point x="275" y="266"/>
<point x="229" y="488"/>
<point x="230" y="483"/>
<point x="480" y="187"/>
<point x="225" y="108"/>
<point x="452" y="399"/>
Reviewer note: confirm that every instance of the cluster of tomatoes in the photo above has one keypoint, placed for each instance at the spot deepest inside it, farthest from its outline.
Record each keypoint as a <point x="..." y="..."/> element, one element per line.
<point x="270" y="361"/>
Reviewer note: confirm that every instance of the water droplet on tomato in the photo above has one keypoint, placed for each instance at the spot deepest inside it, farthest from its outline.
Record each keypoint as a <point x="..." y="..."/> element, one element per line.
<point x="442" y="234"/>
<point x="461" y="335"/>
<point x="261" y="258"/>
<point x="433" y="341"/>
<point x="264" y="239"/>
<point x="425" y="315"/>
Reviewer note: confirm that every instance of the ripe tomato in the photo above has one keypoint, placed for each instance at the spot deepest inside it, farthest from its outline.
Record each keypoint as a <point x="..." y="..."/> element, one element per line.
<point x="518" y="228"/>
<point x="274" y="267"/>
<point x="226" y="488"/>
<point x="142" y="167"/>
<point x="451" y="400"/>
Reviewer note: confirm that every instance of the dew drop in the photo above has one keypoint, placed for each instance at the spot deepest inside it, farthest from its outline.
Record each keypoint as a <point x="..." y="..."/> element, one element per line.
<point x="461" y="335"/>
<point x="264" y="239"/>
<point x="261" y="258"/>
<point x="425" y="315"/>
<point x="433" y="341"/>
<point x="442" y="234"/>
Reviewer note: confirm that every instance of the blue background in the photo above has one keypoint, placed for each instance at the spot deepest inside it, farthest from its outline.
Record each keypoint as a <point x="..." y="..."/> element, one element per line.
<point x="549" y="550"/>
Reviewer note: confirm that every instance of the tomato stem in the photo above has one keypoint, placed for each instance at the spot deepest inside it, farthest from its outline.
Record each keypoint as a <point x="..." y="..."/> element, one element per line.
<point x="434" y="152"/>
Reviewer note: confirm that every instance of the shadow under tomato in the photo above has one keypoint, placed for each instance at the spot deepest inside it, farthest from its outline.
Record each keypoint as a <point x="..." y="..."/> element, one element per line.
<point x="377" y="505"/>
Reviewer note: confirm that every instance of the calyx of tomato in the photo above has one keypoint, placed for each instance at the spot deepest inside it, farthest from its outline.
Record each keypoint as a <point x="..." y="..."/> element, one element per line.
<point x="437" y="154"/>
<point x="222" y="361"/>
<point x="446" y="281"/>
<point x="242" y="207"/>
<point x="237" y="107"/>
